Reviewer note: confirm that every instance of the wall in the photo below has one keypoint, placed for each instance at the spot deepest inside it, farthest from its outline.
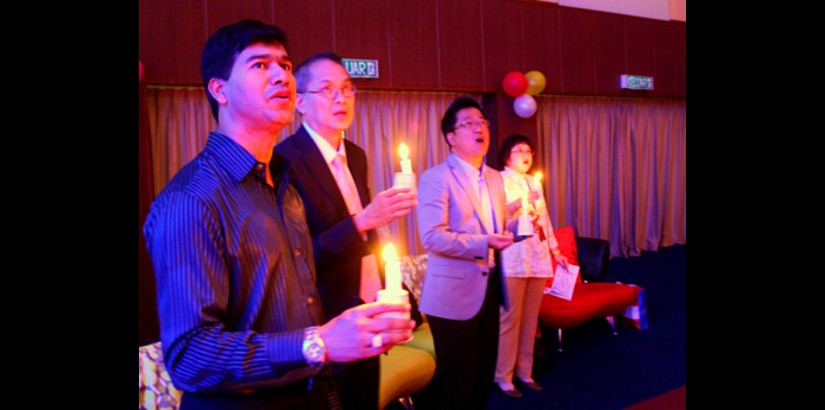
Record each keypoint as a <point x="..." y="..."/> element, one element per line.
<point x="457" y="45"/>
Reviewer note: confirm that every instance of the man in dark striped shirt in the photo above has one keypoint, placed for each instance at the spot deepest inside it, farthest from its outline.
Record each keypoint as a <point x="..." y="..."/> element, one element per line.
<point x="241" y="323"/>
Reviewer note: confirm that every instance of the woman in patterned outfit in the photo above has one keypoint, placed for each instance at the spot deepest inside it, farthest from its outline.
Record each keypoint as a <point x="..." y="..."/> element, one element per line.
<point x="526" y="265"/>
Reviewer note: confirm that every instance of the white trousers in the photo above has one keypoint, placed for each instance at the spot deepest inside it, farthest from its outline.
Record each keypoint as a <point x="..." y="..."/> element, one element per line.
<point x="517" y="330"/>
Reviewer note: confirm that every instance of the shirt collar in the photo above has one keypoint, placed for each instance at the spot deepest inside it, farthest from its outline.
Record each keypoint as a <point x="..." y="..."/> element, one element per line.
<point x="327" y="150"/>
<point x="470" y="170"/>
<point x="237" y="161"/>
<point x="511" y="173"/>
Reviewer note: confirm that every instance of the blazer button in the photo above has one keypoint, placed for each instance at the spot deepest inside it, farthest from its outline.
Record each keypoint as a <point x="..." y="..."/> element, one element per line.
<point x="484" y="273"/>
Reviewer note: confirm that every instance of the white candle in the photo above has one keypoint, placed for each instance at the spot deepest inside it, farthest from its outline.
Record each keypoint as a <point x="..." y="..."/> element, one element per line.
<point x="392" y="269"/>
<point x="524" y="205"/>
<point x="538" y="176"/>
<point x="404" y="152"/>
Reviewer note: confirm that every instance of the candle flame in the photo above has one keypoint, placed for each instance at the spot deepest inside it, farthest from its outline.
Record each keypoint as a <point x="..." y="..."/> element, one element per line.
<point x="389" y="253"/>
<point x="403" y="151"/>
<point x="539" y="175"/>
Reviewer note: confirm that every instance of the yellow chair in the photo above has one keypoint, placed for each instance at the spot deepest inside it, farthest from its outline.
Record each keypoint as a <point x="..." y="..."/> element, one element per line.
<point x="404" y="371"/>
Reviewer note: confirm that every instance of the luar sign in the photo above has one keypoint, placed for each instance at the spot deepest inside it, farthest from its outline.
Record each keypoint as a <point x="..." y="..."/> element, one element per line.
<point x="361" y="68"/>
<point x="636" y="82"/>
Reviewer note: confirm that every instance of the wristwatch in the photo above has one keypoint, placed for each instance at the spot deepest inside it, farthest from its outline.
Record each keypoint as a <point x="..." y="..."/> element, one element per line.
<point x="315" y="352"/>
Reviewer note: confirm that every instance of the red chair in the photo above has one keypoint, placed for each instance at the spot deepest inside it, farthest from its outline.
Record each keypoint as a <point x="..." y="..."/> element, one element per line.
<point x="591" y="300"/>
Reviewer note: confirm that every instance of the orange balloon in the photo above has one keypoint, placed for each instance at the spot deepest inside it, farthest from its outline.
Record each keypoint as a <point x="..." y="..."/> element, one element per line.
<point x="535" y="82"/>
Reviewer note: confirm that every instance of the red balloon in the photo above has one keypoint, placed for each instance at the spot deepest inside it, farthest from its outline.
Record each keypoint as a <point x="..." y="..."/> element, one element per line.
<point x="515" y="84"/>
<point x="140" y="69"/>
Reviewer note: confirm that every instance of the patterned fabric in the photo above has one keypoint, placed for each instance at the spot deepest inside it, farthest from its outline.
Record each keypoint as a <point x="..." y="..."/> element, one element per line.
<point x="156" y="391"/>
<point x="529" y="258"/>
<point x="413" y="269"/>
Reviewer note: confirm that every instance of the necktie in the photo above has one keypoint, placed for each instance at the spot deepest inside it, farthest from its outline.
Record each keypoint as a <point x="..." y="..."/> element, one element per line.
<point x="488" y="215"/>
<point x="370" y="280"/>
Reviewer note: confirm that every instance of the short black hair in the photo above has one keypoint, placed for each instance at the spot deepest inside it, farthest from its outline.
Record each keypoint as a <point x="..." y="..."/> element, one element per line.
<point x="449" y="118"/>
<point x="223" y="47"/>
<point x="507" y="146"/>
<point x="301" y="72"/>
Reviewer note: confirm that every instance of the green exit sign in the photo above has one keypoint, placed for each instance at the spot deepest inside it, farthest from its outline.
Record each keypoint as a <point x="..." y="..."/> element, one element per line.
<point x="361" y="68"/>
<point x="636" y="82"/>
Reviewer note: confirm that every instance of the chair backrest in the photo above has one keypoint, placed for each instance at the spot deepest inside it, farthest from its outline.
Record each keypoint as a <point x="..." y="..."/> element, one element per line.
<point x="591" y="254"/>
<point x="594" y="254"/>
<point x="155" y="389"/>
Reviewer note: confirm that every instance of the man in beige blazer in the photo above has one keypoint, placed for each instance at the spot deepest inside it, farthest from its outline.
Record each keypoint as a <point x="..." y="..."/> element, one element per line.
<point x="461" y="221"/>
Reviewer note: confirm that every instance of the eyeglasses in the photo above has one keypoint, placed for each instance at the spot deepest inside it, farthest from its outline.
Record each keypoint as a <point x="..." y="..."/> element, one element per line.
<point x="473" y="123"/>
<point x="522" y="152"/>
<point x="347" y="90"/>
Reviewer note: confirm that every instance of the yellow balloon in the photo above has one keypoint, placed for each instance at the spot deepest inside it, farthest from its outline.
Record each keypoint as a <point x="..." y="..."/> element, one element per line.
<point x="535" y="82"/>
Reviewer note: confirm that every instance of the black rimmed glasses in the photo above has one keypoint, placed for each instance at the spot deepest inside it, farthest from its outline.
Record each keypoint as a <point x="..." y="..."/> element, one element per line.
<point x="471" y="124"/>
<point x="347" y="90"/>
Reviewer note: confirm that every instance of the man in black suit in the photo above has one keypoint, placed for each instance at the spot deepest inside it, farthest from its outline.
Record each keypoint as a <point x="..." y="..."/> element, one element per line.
<point x="327" y="170"/>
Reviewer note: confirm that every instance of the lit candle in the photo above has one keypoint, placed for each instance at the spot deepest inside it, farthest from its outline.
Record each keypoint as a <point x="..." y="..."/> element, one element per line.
<point x="524" y="205"/>
<point x="392" y="269"/>
<point x="404" y="152"/>
<point x="538" y="176"/>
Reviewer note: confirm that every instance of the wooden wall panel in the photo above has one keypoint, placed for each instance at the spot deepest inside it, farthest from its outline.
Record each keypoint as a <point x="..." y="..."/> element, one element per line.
<point x="503" y="41"/>
<point x="460" y="45"/>
<point x="222" y="12"/>
<point x="308" y="25"/>
<point x="683" y="60"/>
<point x="666" y="59"/>
<point x="360" y="29"/>
<point x="457" y="45"/>
<point x="171" y="38"/>
<point x="413" y="47"/>
<point x="542" y="43"/>
<point x="609" y="53"/>
<point x="577" y="51"/>
<point x="641" y="39"/>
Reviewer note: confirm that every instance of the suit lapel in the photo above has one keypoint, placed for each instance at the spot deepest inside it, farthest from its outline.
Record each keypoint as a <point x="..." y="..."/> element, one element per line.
<point x="317" y="166"/>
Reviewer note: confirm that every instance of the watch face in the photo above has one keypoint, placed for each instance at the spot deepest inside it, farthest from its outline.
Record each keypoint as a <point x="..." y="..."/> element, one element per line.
<point x="315" y="351"/>
<point x="313" y="348"/>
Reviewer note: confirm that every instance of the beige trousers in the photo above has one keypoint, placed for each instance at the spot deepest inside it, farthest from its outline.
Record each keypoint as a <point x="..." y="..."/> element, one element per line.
<point x="517" y="330"/>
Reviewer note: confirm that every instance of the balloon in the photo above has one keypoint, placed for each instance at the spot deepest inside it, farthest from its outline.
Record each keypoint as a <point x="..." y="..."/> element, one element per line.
<point x="140" y="70"/>
<point x="515" y="83"/>
<point x="525" y="106"/>
<point x="535" y="82"/>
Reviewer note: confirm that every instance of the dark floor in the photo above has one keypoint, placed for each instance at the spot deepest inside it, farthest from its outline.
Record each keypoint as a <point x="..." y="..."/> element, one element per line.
<point x="598" y="370"/>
